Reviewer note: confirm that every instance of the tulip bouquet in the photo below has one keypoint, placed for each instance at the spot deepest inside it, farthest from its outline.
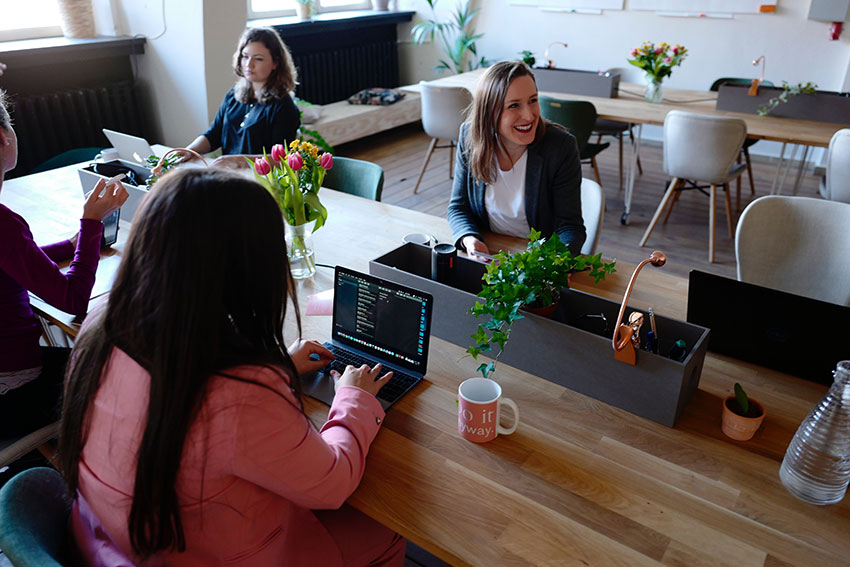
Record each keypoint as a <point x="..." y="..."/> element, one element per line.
<point x="658" y="61"/>
<point x="294" y="178"/>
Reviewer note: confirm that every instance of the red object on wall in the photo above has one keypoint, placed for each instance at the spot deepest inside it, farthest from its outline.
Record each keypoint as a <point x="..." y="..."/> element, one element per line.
<point x="835" y="30"/>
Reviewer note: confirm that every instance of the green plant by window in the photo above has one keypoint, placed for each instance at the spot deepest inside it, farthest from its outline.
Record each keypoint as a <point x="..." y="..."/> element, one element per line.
<point x="532" y="278"/>
<point x="527" y="57"/>
<point x="788" y="91"/>
<point x="457" y="38"/>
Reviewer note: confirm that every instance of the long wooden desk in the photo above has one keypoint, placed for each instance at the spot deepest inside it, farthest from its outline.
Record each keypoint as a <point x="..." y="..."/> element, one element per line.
<point x="580" y="482"/>
<point x="630" y="106"/>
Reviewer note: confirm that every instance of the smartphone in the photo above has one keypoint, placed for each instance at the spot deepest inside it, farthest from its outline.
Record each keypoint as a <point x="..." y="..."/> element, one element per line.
<point x="110" y="229"/>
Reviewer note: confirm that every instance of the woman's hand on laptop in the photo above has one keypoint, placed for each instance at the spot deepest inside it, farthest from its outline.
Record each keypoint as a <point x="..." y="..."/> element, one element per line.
<point x="309" y="356"/>
<point x="364" y="378"/>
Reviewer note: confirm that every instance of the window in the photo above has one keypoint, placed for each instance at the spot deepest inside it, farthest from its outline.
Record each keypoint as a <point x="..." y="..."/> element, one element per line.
<point x="26" y="20"/>
<point x="277" y="8"/>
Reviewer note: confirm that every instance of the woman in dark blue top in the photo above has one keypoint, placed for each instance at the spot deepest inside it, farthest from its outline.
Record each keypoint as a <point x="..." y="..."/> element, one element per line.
<point x="258" y="111"/>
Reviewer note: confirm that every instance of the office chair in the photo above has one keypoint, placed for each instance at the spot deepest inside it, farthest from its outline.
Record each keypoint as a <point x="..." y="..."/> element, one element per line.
<point x="592" y="212"/>
<point x="14" y="448"/>
<point x="745" y="149"/>
<point x="796" y="244"/>
<point x="443" y="111"/>
<point x="356" y="177"/>
<point x="578" y="117"/>
<point x="69" y="157"/>
<point x="835" y="185"/>
<point x="700" y="148"/>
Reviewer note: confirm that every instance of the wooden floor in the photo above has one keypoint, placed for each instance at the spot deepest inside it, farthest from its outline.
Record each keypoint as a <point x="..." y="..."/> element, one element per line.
<point x="684" y="239"/>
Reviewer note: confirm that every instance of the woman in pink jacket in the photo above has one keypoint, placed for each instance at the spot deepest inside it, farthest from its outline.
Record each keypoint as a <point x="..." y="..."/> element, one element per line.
<point x="183" y="433"/>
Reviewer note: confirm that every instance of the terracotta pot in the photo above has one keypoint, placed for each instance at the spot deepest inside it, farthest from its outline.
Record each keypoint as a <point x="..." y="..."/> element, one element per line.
<point x="304" y="11"/>
<point x="547" y="311"/>
<point x="76" y="18"/>
<point x="737" y="426"/>
<point x="381" y="5"/>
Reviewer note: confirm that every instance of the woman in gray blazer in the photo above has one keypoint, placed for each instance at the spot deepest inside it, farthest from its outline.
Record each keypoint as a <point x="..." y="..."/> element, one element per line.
<point x="515" y="171"/>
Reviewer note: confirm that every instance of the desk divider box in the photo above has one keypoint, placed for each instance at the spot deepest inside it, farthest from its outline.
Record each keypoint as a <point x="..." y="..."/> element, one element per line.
<point x="559" y="349"/>
<point x="821" y="106"/>
<point x="604" y="84"/>
<point x="89" y="178"/>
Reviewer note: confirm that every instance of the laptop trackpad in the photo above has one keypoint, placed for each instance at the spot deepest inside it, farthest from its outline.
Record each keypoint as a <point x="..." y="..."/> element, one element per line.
<point x="319" y="385"/>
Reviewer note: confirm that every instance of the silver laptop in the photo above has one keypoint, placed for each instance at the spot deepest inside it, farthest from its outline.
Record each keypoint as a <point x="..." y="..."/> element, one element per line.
<point x="130" y="148"/>
<point x="375" y="320"/>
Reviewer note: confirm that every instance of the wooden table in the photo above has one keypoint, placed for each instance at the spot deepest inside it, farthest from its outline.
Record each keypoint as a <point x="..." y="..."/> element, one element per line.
<point x="631" y="106"/>
<point x="580" y="482"/>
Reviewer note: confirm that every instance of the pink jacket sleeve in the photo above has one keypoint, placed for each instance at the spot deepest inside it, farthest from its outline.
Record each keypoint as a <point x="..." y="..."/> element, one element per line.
<point x="277" y="447"/>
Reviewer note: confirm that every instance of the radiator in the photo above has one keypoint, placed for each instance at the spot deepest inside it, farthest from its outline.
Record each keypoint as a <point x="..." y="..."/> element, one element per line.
<point x="50" y="124"/>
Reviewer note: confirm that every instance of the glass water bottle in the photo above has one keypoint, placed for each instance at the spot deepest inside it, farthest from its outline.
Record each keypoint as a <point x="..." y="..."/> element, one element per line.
<point x="816" y="467"/>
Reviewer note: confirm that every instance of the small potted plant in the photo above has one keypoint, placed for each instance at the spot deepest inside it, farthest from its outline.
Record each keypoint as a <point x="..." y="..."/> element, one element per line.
<point x="527" y="57"/>
<point x="742" y="415"/>
<point x="531" y="280"/>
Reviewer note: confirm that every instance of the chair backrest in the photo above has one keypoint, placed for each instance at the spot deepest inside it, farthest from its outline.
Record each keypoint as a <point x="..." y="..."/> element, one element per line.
<point x="13" y="449"/>
<point x="592" y="212"/>
<point x="837" y="186"/>
<point x="443" y="110"/>
<point x="701" y="148"/>
<point x="34" y="510"/>
<point x="715" y="86"/>
<point x="356" y="177"/>
<point x="577" y="116"/>
<point x="69" y="157"/>
<point x="796" y="244"/>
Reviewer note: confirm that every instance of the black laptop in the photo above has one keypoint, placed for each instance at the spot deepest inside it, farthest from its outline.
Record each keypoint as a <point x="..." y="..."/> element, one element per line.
<point x="793" y="334"/>
<point x="375" y="320"/>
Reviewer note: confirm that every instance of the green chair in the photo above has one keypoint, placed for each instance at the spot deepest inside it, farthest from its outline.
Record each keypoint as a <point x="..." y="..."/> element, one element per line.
<point x="715" y="86"/>
<point x="579" y="118"/>
<point x="356" y="177"/>
<point x="69" y="157"/>
<point x="34" y="508"/>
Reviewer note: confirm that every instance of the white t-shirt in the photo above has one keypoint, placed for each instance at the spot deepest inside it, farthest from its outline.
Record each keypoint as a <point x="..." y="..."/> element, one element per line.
<point x="505" y="200"/>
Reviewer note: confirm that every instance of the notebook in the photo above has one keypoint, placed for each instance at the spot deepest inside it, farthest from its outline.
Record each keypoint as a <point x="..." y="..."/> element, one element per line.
<point x="130" y="148"/>
<point x="375" y="320"/>
<point x="787" y="332"/>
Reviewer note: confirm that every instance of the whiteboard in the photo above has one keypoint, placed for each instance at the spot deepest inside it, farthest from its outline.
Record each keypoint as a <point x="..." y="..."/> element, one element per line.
<point x="723" y="6"/>
<point x="567" y="5"/>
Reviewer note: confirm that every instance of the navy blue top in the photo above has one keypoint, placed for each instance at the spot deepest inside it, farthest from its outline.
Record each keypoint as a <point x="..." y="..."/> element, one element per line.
<point x="241" y="128"/>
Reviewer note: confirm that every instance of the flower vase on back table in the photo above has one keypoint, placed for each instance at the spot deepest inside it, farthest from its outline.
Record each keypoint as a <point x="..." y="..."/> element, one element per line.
<point x="299" y="249"/>
<point x="654" y="90"/>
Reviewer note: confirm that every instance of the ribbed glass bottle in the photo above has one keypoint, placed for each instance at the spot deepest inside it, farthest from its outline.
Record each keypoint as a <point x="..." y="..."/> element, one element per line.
<point x="816" y="467"/>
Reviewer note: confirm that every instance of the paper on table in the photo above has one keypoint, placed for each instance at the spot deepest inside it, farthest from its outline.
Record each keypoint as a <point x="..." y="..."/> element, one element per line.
<point x="321" y="303"/>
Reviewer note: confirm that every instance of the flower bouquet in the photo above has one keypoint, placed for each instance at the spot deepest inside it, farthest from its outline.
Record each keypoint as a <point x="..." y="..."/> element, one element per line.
<point x="657" y="62"/>
<point x="294" y="178"/>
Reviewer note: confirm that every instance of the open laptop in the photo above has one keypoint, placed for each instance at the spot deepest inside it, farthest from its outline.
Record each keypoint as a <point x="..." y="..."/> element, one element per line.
<point x="375" y="320"/>
<point x="797" y="335"/>
<point x="130" y="148"/>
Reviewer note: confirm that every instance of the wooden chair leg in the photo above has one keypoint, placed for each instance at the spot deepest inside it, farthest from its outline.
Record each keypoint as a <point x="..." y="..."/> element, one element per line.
<point x="425" y="163"/>
<point x="667" y="194"/>
<point x="620" y="137"/>
<point x="451" y="158"/>
<point x="749" y="171"/>
<point x="596" y="170"/>
<point x="675" y="198"/>
<point x="729" y="212"/>
<point x="712" y="205"/>
<point x="738" y="186"/>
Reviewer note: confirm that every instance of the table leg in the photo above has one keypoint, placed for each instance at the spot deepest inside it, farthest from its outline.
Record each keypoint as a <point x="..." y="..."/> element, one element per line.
<point x="803" y="163"/>
<point x="630" y="184"/>
<point x="786" y="167"/>
<point x="778" y="168"/>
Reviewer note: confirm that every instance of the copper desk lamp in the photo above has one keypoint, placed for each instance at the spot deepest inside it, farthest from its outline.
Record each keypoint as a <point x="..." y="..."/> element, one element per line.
<point x="754" y="87"/>
<point x="625" y="349"/>
<point x="551" y="62"/>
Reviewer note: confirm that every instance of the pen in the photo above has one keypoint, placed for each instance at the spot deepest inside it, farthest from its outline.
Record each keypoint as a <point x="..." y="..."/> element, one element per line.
<point x="652" y="323"/>
<point x="113" y="179"/>
<point x="483" y="255"/>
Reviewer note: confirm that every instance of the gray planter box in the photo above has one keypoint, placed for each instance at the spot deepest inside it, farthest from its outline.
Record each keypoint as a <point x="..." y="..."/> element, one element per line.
<point x="588" y="83"/>
<point x="88" y="179"/>
<point x="822" y="106"/>
<point x="565" y="350"/>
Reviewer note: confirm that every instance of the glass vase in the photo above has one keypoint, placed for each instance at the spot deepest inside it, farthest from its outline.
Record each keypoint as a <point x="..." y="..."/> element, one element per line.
<point x="299" y="250"/>
<point x="654" y="91"/>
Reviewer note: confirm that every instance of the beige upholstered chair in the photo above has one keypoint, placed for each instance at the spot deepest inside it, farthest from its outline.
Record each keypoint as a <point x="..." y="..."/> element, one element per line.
<point x="592" y="212"/>
<point x="836" y="185"/>
<point x="13" y="449"/>
<point x="798" y="245"/>
<point x="700" y="148"/>
<point x="443" y="111"/>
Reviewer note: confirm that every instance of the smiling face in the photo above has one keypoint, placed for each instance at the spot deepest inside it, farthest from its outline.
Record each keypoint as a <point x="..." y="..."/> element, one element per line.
<point x="517" y="125"/>
<point x="257" y="63"/>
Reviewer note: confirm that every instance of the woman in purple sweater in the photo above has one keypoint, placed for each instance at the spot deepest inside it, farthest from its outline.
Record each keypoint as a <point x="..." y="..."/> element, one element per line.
<point x="30" y="375"/>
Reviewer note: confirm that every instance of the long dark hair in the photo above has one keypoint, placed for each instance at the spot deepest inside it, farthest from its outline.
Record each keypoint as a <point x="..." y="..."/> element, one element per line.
<point x="482" y="141"/>
<point x="282" y="79"/>
<point x="202" y="287"/>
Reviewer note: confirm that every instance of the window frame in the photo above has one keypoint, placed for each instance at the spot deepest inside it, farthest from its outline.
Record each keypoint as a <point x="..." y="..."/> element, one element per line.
<point x="317" y="9"/>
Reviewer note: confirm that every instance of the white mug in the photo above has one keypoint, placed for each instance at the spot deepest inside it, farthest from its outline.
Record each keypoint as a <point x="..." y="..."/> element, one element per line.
<point x="107" y="154"/>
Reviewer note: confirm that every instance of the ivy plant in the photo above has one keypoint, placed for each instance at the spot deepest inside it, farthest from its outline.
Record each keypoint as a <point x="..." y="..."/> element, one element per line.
<point x="788" y="91"/>
<point x="531" y="278"/>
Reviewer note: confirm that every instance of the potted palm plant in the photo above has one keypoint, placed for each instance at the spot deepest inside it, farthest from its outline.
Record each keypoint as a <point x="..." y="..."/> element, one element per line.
<point x="530" y="280"/>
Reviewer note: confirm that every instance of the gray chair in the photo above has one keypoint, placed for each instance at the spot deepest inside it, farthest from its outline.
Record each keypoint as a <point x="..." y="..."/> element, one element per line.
<point x="443" y="111"/>
<point x="835" y="186"/>
<point x="592" y="212"/>
<point x="798" y="245"/>
<point x="34" y="509"/>
<point x="356" y="177"/>
<point x="13" y="449"/>
<point x="700" y="148"/>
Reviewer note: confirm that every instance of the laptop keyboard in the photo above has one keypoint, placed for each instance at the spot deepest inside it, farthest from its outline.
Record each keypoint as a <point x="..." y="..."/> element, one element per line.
<point x="392" y="390"/>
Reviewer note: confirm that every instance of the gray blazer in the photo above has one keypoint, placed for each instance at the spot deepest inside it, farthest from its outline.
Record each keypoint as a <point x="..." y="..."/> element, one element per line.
<point x="552" y="191"/>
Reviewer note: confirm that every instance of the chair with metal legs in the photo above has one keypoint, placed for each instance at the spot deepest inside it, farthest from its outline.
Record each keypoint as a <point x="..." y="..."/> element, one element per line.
<point x="443" y="111"/>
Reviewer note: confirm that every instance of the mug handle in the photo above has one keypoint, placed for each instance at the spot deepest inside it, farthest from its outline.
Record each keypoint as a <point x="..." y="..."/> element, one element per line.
<point x="510" y="403"/>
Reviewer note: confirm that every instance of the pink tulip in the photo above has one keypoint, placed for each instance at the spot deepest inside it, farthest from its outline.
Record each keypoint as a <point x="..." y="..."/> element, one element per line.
<point x="634" y="52"/>
<point x="278" y="152"/>
<point x="667" y="60"/>
<point x="675" y="51"/>
<point x="295" y="161"/>
<point x="327" y="161"/>
<point x="658" y="51"/>
<point x="262" y="167"/>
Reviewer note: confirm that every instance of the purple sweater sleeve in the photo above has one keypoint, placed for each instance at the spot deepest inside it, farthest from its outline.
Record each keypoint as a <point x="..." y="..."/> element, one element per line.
<point x="35" y="271"/>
